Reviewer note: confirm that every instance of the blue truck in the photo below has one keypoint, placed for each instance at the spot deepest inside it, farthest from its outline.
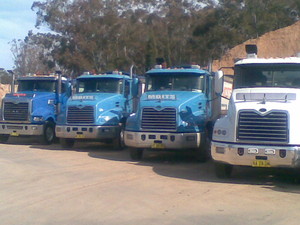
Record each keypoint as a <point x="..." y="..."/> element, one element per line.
<point x="177" y="111"/>
<point x="99" y="109"/>
<point x="32" y="110"/>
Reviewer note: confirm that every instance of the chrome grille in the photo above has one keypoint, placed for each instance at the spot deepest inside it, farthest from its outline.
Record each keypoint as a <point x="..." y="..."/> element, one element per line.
<point x="78" y="115"/>
<point x="272" y="127"/>
<point x="153" y="119"/>
<point x="15" y="112"/>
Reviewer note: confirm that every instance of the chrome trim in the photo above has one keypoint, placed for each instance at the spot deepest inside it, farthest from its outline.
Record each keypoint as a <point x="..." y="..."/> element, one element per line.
<point x="86" y="132"/>
<point x="231" y="156"/>
<point x="17" y="101"/>
<point x="80" y="115"/>
<point x="164" y="119"/>
<point x="135" y="139"/>
<point x="270" y="127"/>
<point x="20" y="129"/>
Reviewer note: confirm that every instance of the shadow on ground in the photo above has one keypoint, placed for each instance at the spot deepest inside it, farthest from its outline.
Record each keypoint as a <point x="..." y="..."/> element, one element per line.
<point x="183" y="166"/>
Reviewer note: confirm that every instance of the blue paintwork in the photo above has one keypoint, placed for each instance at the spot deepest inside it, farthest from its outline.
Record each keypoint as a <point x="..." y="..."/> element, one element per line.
<point x="176" y="70"/>
<point x="193" y="109"/>
<point x="117" y="76"/>
<point x="110" y="108"/>
<point x="40" y="100"/>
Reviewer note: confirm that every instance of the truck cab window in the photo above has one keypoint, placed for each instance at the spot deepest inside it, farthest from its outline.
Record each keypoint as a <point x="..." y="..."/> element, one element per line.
<point x="36" y="85"/>
<point x="267" y="75"/>
<point x="175" y="82"/>
<point x="103" y="85"/>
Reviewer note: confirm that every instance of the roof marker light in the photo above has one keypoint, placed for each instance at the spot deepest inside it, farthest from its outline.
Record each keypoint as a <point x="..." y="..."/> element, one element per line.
<point x="195" y="66"/>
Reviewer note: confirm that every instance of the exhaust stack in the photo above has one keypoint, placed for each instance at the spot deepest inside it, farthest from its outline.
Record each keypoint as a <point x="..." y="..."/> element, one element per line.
<point x="251" y="51"/>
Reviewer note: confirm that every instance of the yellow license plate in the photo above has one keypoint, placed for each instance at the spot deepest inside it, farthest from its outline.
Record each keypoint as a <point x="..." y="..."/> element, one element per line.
<point x="261" y="163"/>
<point x="15" y="134"/>
<point x="80" y="136"/>
<point x="158" y="145"/>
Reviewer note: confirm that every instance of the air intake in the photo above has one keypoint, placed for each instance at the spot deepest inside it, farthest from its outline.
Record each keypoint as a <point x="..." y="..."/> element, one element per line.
<point x="153" y="119"/>
<point x="77" y="115"/>
<point x="271" y="127"/>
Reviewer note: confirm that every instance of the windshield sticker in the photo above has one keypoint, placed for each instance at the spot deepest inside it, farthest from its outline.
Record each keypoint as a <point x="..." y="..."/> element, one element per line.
<point x="161" y="97"/>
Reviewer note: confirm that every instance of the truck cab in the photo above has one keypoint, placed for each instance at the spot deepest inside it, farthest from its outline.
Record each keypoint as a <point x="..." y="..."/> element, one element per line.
<point x="33" y="109"/>
<point x="98" y="110"/>
<point x="176" y="112"/>
<point x="261" y="127"/>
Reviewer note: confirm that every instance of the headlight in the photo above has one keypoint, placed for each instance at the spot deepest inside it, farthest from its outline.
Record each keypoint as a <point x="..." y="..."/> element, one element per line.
<point x="104" y="118"/>
<point x="38" y="118"/>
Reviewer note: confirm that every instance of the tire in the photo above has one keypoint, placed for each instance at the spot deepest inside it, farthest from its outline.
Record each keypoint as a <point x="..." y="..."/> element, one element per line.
<point x="223" y="170"/>
<point x="48" y="134"/>
<point x="136" y="154"/>
<point x="67" y="142"/>
<point x="4" y="138"/>
<point x="202" y="154"/>
<point x="119" y="143"/>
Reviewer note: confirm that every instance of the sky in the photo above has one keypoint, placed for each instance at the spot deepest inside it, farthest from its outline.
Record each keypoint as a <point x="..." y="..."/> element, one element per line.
<point x="16" y="19"/>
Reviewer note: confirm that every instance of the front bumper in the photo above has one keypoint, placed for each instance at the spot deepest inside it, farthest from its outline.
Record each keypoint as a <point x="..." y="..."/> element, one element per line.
<point x="21" y="129"/>
<point x="87" y="132"/>
<point x="162" y="140"/>
<point x="256" y="155"/>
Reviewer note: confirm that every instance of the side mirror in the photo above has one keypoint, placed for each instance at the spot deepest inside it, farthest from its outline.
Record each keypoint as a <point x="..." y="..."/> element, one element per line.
<point x="135" y="87"/>
<point x="219" y="80"/>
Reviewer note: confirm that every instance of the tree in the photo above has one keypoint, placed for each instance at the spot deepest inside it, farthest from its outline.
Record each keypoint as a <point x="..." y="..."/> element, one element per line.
<point x="100" y="35"/>
<point x="31" y="55"/>
<point x="5" y="77"/>
<point x="235" y="21"/>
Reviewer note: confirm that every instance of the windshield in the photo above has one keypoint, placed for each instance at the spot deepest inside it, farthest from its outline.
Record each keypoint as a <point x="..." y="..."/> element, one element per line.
<point x="267" y="75"/>
<point x="36" y="85"/>
<point x="103" y="85"/>
<point x="175" y="82"/>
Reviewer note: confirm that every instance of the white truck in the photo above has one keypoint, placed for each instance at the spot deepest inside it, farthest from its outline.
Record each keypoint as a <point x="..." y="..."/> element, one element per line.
<point x="261" y="128"/>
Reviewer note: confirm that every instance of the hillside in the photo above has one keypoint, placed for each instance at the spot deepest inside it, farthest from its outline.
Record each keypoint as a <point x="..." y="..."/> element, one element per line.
<point x="283" y="42"/>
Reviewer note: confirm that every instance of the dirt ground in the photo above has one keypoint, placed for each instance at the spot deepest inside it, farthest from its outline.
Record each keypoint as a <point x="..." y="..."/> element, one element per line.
<point x="284" y="42"/>
<point x="93" y="184"/>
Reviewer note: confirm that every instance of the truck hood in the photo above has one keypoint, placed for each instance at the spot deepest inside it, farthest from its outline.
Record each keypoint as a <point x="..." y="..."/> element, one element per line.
<point x="23" y="96"/>
<point x="177" y="99"/>
<point x="42" y="103"/>
<point x="108" y="106"/>
<point x="190" y="109"/>
<point x="265" y="99"/>
<point x="261" y="101"/>
<point x="94" y="99"/>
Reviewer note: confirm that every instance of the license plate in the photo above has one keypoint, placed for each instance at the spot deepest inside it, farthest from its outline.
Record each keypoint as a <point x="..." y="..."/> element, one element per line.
<point x="158" y="145"/>
<point x="80" y="136"/>
<point x="15" y="134"/>
<point x="261" y="163"/>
